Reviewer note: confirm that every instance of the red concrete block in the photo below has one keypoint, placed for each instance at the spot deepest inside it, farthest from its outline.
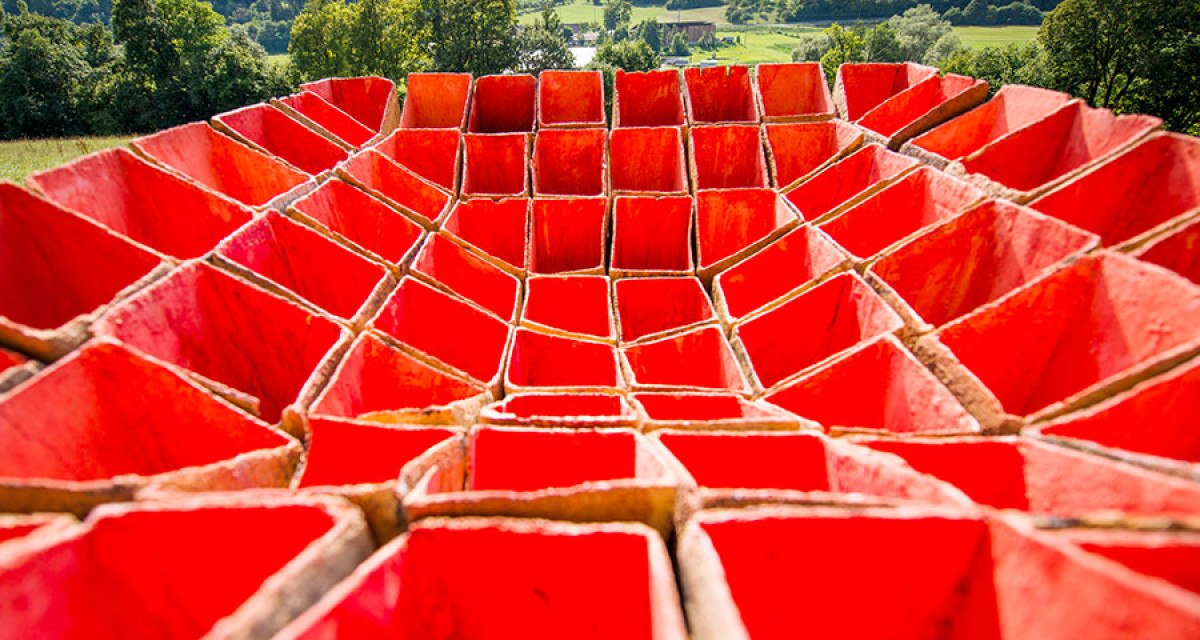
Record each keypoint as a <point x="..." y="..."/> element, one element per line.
<point x="437" y="324"/>
<point x="199" y="153"/>
<point x="799" y="260"/>
<point x="398" y="186"/>
<point x="813" y="328"/>
<point x="126" y="194"/>
<point x="652" y="236"/>
<point x="570" y="162"/>
<point x="221" y="567"/>
<point x="648" y="160"/>
<point x="46" y="305"/>
<point x="1178" y="250"/>
<point x="700" y="359"/>
<point x="734" y="223"/>
<point x="309" y="106"/>
<point x="1099" y="324"/>
<point x="797" y="151"/>
<point x="1171" y="556"/>
<point x="568" y="235"/>
<point x="541" y="362"/>
<point x="649" y="308"/>
<point x="503" y="104"/>
<point x="286" y="257"/>
<point x="720" y="94"/>
<point x="433" y="154"/>
<point x="110" y="444"/>
<point x="447" y="265"/>
<point x="436" y="101"/>
<point x="379" y="383"/>
<point x="712" y="411"/>
<point x="1013" y="108"/>
<point x="848" y="182"/>
<point x="570" y="99"/>
<point x="496" y="165"/>
<point x="923" y="106"/>
<point x="793" y="92"/>
<point x="253" y="347"/>
<point x="727" y="156"/>
<point x="370" y="100"/>
<point x="878" y="386"/>
<point x="647" y="99"/>
<point x="578" y="475"/>
<point x="516" y="567"/>
<point x="576" y="410"/>
<point x="19" y="527"/>
<point x="573" y="306"/>
<point x="497" y="228"/>
<point x="1134" y="196"/>
<point x="366" y="222"/>
<point x="859" y="88"/>
<point x="968" y="261"/>
<point x="1030" y="161"/>
<point x="272" y="131"/>
<point x="900" y="211"/>
<point x="1044" y="479"/>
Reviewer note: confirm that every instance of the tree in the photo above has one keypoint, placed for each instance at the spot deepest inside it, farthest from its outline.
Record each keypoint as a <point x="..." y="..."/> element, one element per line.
<point x="917" y="29"/>
<point x="542" y="45"/>
<point x="881" y="44"/>
<point x="477" y="36"/>
<point x="43" y="76"/>
<point x="320" y="44"/>
<point x="617" y="13"/>
<point x="368" y="37"/>
<point x="976" y="12"/>
<point x="1020" y="64"/>
<point x="679" y="45"/>
<point x="630" y="56"/>
<point x="846" y="45"/>
<point x="649" y="32"/>
<point x="811" y="47"/>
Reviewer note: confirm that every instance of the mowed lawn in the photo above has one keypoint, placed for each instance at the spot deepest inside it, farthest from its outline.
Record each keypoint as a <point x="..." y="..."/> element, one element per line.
<point x="19" y="158"/>
<point x="980" y="37"/>
<point x="767" y="44"/>
<point x="583" y="11"/>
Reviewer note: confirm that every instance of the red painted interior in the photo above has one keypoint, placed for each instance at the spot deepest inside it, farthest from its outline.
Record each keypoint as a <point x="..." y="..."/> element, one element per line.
<point x="696" y="406"/>
<point x="728" y="221"/>
<point x="531" y="460"/>
<point x="436" y="323"/>
<point x="720" y="94"/>
<point x="562" y="405"/>
<point x="785" y="265"/>
<point x="647" y="160"/>
<point x="284" y="137"/>
<point x="835" y="185"/>
<point x="126" y="194"/>
<point x="503" y="104"/>
<point x="435" y="101"/>
<point x="727" y="156"/>
<point x="342" y="453"/>
<point x="1014" y="107"/>
<point x="791" y="90"/>
<point x="751" y="460"/>
<point x="568" y="235"/>
<point x="798" y="149"/>
<point x="1178" y="251"/>
<point x="360" y="218"/>
<point x="197" y="151"/>
<point x="974" y="259"/>
<point x="497" y="227"/>
<point x="868" y="85"/>
<point x="918" y="200"/>
<point x="542" y="360"/>
<point x="303" y="261"/>
<point x="90" y="265"/>
<point x="903" y="109"/>
<point x="365" y="99"/>
<point x="570" y="98"/>
<point x="578" y="304"/>
<point x="651" y="305"/>
<point x="468" y="275"/>
<point x="398" y="184"/>
<point x="648" y="99"/>
<point x="652" y="234"/>
<point x="818" y="324"/>
<point x="570" y="162"/>
<point x="701" y="358"/>
<point x="1176" y="562"/>
<point x="329" y="117"/>
<point x="432" y="154"/>
<point x="10" y="360"/>
<point x="496" y="164"/>
<point x="10" y="531"/>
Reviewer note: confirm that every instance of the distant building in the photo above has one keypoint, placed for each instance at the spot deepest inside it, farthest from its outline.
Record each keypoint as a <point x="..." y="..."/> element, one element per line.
<point x="692" y="30"/>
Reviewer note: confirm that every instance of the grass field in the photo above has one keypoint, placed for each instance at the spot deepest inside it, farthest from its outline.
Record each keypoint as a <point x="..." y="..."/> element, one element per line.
<point x="765" y="44"/>
<point x="19" y="158"/>
<point x="581" y="11"/>
<point x="980" y="37"/>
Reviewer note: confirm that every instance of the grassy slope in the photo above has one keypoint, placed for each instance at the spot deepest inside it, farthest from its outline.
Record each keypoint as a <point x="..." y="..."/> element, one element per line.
<point x="19" y="158"/>
<point x="980" y="37"/>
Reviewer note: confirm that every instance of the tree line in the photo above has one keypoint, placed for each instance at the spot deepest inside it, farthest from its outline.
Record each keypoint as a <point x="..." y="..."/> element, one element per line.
<point x="967" y="12"/>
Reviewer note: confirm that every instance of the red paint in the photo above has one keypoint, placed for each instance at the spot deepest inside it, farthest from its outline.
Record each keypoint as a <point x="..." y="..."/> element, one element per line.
<point x="697" y="359"/>
<point x="235" y="334"/>
<point x="813" y="327"/>
<point x="720" y="94"/>
<point x="496" y="165"/>
<point x="332" y="119"/>
<point x="433" y="154"/>
<point x="1178" y="251"/>
<point x="674" y="408"/>
<point x="498" y="228"/>
<point x="568" y="235"/>
<point x="727" y="156"/>
<point x="570" y="99"/>
<point x="10" y="360"/>
<point x="723" y="460"/>
<point x="470" y="276"/>
<point x="198" y="152"/>
<point x="1170" y="557"/>
<point x="360" y="218"/>
<point x="366" y="99"/>
<point x="793" y="91"/>
<point x="435" y="101"/>
<point x="647" y="99"/>
<point x="652" y="235"/>
<point x="283" y="137"/>
<point x="436" y="323"/>
<point x="866" y="86"/>
<point x="1013" y="108"/>
<point x="895" y="116"/>
<point x="654" y="306"/>
<point x="561" y="410"/>
<point x="796" y="260"/>
<point x="542" y="360"/>
<point x="348" y="453"/>
<point x="860" y="174"/>
<point x="570" y="162"/>
<point x="876" y="386"/>
<point x="505" y="459"/>
<point x="900" y="210"/>
<point x="731" y="223"/>
<point x="578" y="305"/>
<point x="798" y="150"/>
<point x="397" y="184"/>
<point x="503" y="104"/>
<point x="126" y="194"/>
<point x="648" y="160"/>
